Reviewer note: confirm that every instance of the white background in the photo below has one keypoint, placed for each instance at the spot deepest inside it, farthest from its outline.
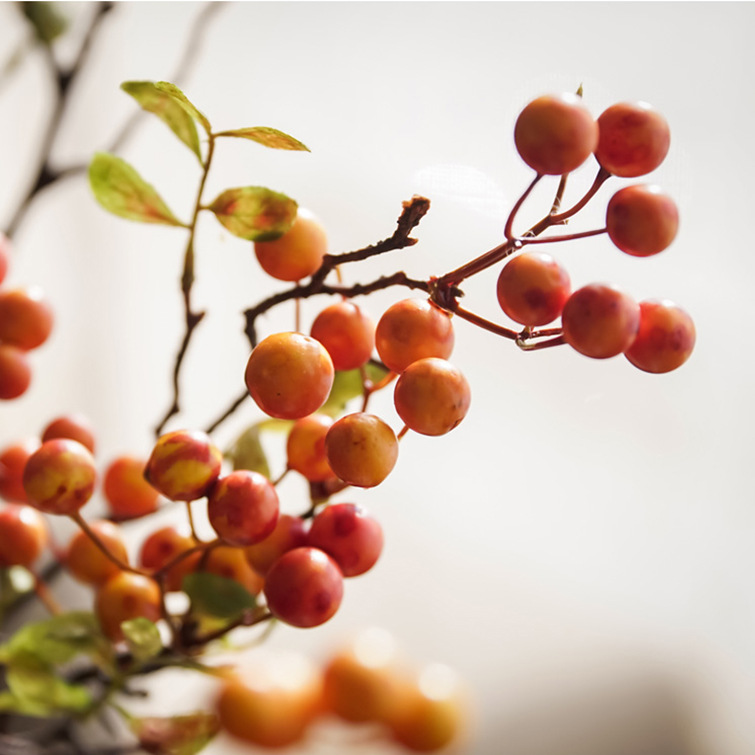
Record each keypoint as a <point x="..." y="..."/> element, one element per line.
<point x="580" y="548"/>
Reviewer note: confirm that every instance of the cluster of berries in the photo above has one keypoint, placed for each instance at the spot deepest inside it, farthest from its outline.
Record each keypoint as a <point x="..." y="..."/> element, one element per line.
<point x="26" y="322"/>
<point x="275" y="699"/>
<point x="555" y="135"/>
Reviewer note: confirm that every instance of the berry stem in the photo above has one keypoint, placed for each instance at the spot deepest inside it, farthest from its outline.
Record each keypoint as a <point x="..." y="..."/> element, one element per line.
<point x="515" y="209"/>
<point x="45" y="595"/>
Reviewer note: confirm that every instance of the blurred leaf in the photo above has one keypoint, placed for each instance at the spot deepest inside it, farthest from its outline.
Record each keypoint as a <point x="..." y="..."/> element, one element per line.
<point x="165" y="107"/>
<point x="247" y="452"/>
<point x="142" y="637"/>
<point x="175" y="735"/>
<point x="35" y="690"/>
<point x="255" y="213"/>
<point x="268" y="137"/>
<point x="122" y="191"/>
<point x="178" y="96"/>
<point x="217" y="596"/>
<point x="46" y="18"/>
<point x="57" y="640"/>
<point x="347" y="385"/>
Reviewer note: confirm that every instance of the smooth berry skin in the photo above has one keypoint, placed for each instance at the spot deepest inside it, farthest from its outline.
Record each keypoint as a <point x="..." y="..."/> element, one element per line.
<point x="349" y="535"/>
<point x="26" y="318"/>
<point x="72" y="426"/>
<point x="290" y="532"/>
<point x="532" y="288"/>
<point x="15" y="372"/>
<point x="289" y="375"/>
<point x="87" y="563"/>
<point x="126" y="596"/>
<point x="243" y="507"/>
<point x="347" y="333"/>
<point x="642" y="220"/>
<point x="364" y="681"/>
<point x="161" y="548"/>
<point x="305" y="448"/>
<point x="13" y="459"/>
<point x="634" y="139"/>
<point x="304" y="587"/>
<point x="183" y="465"/>
<point x="297" y="253"/>
<point x="127" y="493"/>
<point x="23" y="536"/>
<point x="413" y="329"/>
<point x="555" y="134"/>
<point x="600" y="321"/>
<point x="59" y="477"/>
<point x="432" y="396"/>
<point x="362" y="449"/>
<point x="272" y="703"/>
<point x="665" y="339"/>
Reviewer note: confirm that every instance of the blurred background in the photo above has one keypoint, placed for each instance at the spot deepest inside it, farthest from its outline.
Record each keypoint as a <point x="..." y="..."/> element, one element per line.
<point x="580" y="548"/>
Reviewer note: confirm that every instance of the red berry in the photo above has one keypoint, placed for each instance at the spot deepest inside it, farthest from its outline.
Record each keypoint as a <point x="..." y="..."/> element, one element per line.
<point x="665" y="339"/>
<point x="350" y="536"/>
<point x="161" y="548"/>
<point x="25" y="317"/>
<point x="634" y="139"/>
<point x="290" y="532"/>
<point x="600" y="321"/>
<point x="4" y="255"/>
<point x="555" y="134"/>
<point x="59" y="476"/>
<point x="304" y="587"/>
<point x="15" y="372"/>
<point x="533" y="288"/>
<point x="641" y="220"/>
<point x="72" y="426"/>
<point x="13" y="459"/>
<point x="347" y="333"/>
<point x="289" y="375"/>
<point x="243" y="507"/>
<point x="183" y="465"/>
<point x="23" y="535"/>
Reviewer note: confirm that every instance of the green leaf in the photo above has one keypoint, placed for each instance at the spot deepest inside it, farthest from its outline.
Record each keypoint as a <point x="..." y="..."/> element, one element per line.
<point x="178" y="96"/>
<point x="143" y="638"/>
<point x="268" y="137"/>
<point x="217" y="596"/>
<point x="347" y="385"/>
<point x="36" y="690"/>
<point x="164" y="106"/>
<point x="247" y="452"/>
<point x="122" y="191"/>
<point x="254" y="212"/>
<point x="57" y="640"/>
<point x="175" y="735"/>
<point x="46" y="18"/>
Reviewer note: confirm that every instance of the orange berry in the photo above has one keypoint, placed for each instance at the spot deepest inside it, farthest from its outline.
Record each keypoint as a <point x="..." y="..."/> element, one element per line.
<point x="13" y="459"/>
<point x="23" y="535"/>
<point x="126" y="596"/>
<point x="25" y="317"/>
<point x="347" y="333"/>
<point x="305" y="447"/>
<point x="127" y="492"/>
<point x="72" y="426"/>
<point x="87" y="562"/>
<point x="15" y="372"/>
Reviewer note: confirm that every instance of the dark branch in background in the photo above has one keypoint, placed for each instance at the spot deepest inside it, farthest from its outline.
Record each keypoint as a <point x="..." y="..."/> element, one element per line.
<point x="62" y="79"/>
<point x="413" y="212"/>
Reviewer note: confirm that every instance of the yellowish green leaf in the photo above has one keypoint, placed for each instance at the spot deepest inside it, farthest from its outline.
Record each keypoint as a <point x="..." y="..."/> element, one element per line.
<point x="254" y="212"/>
<point x="268" y="137"/>
<point x="173" y="91"/>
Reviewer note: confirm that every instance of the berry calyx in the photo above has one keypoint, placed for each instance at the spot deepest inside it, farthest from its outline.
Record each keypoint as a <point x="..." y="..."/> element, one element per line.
<point x="641" y="220"/>
<point x="59" y="476"/>
<point x="555" y="134"/>
<point x="289" y="375"/>
<point x="634" y="139"/>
